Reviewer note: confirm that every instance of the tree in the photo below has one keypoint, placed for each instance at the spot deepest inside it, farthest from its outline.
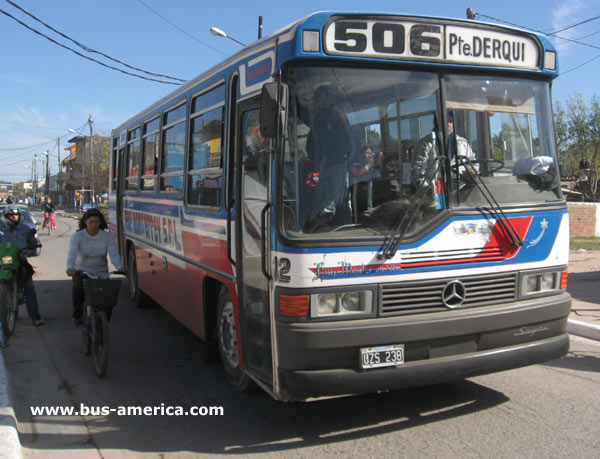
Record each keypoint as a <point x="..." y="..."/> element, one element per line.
<point x="578" y="138"/>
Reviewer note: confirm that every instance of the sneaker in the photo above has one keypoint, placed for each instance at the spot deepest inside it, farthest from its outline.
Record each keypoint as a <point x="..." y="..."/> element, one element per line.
<point x="38" y="322"/>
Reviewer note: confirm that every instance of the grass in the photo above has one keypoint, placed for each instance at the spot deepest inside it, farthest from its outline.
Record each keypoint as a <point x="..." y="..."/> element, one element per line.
<point x="587" y="243"/>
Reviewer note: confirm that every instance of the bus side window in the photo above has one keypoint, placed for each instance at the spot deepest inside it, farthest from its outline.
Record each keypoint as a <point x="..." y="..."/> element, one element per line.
<point x="150" y="153"/>
<point x="205" y="174"/>
<point x="133" y="159"/>
<point x="173" y="146"/>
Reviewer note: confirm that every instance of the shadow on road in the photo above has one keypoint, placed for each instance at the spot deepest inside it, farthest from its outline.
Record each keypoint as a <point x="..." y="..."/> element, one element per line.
<point x="584" y="286"/>
<point x="156" y="362"/>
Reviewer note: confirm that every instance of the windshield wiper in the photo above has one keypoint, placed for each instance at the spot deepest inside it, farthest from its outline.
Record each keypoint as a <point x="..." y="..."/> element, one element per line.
<point x="390" y="247"/>
<point x="506" y="224"/>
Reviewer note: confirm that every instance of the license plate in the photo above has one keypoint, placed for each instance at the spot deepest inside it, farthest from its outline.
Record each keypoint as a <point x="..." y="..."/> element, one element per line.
<point x="382" y="356"/>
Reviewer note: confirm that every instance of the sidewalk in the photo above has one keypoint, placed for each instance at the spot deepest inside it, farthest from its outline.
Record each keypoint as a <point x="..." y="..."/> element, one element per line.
<point x="584" y="286"/>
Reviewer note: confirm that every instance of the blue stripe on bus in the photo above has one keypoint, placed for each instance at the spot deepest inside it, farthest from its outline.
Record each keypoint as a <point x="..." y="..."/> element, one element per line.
<point x="555" y="216"/>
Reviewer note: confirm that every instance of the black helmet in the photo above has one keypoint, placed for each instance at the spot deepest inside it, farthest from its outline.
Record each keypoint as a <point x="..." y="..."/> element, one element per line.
<point x="11" y="210"/>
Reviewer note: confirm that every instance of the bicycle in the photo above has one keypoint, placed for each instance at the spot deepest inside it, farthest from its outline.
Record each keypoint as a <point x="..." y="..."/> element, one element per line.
<point x="100" y="295"/>
<point x="48" y="223"/>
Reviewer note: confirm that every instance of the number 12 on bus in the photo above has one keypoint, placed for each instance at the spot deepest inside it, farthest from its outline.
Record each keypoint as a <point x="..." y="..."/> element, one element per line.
<point x="355" y="203"/>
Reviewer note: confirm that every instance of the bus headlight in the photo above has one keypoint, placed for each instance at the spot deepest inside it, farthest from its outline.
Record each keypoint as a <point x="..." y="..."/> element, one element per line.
<point x="7" y="260"/>
<point x="328" y="304"/>
<point x="341" y="304"/>
<point x="542" y="282"/>
<point x="351" y="302"/>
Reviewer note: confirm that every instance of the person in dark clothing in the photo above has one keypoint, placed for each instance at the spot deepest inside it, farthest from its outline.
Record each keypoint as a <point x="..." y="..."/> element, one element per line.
<point x="14" y="231"/>
<point x="330" y="147"/>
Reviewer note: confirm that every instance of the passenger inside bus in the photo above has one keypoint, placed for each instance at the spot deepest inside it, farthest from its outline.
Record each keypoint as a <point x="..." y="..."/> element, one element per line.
<point x="425" y="153"/>
<point x="256" y="149"/>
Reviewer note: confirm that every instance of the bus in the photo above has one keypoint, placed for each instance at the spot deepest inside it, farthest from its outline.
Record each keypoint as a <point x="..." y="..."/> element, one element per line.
<point x="6" y="190"/>
<point x="358" y="202"/>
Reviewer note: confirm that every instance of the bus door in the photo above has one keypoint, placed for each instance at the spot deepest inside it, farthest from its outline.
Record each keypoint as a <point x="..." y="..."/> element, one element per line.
<point x="251" y="250"/>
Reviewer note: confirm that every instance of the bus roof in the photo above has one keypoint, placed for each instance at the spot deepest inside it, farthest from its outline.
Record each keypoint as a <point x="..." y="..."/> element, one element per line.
<point x="321" y="21"/>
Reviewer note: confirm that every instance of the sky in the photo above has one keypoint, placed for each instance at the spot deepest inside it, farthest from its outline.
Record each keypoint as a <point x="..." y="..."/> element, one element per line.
<point x="45" y="89"/>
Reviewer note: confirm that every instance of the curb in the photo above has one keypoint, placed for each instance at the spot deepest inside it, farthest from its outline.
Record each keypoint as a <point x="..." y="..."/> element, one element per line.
<point x="583" y="329"/>
<point x="10" y="446"/>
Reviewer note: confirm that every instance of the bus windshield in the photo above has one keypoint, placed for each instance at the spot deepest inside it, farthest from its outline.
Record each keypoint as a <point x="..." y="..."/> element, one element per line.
<point x="367" y="151"/>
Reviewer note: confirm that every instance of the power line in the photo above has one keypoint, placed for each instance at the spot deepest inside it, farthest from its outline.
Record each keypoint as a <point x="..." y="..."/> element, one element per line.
<point x="27" y="148"/>
<point x="574" y="25"/>
<point x="536" y="30"/>
<point x="180" y="29"/>
<point x="81" y="55"/>
<point x="557" y="36"/>
<point x="581" y="65"/>
<point x="91" y="50"/>
<point x="49" y="141"/>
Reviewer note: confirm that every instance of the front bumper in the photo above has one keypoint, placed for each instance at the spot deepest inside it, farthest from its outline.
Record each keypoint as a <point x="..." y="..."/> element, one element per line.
<point x="322" y="359"/>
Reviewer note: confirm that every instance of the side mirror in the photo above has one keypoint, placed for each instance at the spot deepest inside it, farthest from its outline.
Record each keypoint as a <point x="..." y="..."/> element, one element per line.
<point x="273" y="109"/>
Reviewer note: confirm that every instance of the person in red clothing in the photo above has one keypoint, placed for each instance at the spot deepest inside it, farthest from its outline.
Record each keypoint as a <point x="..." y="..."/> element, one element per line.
<point x="364" y="162"/>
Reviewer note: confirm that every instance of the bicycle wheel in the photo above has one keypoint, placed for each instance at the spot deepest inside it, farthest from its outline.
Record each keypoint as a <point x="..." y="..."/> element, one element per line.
<point x="100" y="342"/>
<point x="86" y="336"/>
<point x="13" y="308"/>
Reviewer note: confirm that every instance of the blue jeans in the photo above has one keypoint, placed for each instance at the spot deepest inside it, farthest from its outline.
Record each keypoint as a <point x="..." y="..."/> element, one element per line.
<point x="31" y="298"/>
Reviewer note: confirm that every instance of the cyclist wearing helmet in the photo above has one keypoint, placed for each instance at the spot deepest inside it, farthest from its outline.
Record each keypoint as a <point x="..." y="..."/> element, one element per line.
<point x="14" y="231"/>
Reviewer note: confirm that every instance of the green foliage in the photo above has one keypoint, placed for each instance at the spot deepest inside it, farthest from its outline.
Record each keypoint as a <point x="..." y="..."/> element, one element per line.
<point x="587" y="243"/>
<point x="577" y="129"/>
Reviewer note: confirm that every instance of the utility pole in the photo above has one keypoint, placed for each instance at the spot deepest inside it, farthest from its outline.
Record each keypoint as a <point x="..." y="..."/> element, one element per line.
<point x="34" y="171"/>
<point x="58" y="174"/>
<point x="92" y="159"/>
<point x="47" y="184"/>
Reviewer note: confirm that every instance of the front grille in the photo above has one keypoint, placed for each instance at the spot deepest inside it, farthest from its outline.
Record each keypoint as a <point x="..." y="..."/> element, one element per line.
<point x="426" y="295"/>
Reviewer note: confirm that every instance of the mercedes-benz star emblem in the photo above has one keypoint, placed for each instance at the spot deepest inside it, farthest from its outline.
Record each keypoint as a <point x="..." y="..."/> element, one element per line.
<point x="454" y="294"/>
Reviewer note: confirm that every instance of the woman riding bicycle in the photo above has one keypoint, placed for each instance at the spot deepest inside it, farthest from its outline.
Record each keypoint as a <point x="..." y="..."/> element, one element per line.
<point x="49" y="213"/>
<point x="87" y="257"/>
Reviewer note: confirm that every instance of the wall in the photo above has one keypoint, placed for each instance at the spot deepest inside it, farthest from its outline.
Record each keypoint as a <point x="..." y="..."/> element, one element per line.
<point x="584" y="219"/>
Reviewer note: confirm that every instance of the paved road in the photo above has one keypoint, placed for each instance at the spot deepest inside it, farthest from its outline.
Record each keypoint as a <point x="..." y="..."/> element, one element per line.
<point x="543" y="411"/>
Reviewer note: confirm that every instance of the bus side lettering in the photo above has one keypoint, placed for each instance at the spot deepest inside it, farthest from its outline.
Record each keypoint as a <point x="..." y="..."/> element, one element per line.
<point x="155" y="229"/>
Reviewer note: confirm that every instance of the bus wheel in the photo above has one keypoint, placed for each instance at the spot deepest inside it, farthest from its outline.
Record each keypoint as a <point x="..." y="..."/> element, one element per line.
<point x="138" y="297"/>
<point x="228" y="343"/>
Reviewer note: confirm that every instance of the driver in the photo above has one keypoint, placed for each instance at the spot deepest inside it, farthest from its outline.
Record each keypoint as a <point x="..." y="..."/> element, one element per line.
<point x="15" y="231"/>
<point x="457" y="145"/>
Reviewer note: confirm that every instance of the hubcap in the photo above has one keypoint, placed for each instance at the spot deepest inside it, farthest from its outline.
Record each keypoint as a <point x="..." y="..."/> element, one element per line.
<point x="228" y="335"/>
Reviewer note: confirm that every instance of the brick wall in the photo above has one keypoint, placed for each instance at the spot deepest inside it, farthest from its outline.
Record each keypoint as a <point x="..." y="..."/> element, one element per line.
<point x="584" y="219"/>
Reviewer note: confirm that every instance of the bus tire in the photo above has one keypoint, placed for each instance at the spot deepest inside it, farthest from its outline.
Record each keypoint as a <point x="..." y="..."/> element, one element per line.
<point x="228" y="343"/>
<point x="139" y="298"/>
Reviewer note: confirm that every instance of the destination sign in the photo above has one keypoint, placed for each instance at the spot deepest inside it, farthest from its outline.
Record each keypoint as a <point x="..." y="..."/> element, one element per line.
<point x="438" y="42"/>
